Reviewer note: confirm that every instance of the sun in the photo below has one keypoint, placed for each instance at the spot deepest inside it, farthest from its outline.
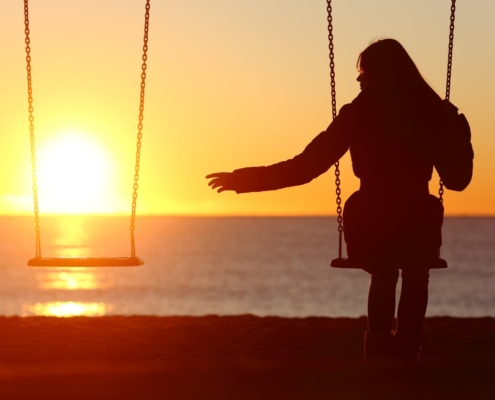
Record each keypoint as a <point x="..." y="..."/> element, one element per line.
<point x="74" y="175"/>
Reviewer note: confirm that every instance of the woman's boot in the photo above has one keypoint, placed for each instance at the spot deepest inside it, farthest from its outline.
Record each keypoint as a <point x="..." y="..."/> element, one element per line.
<point x="405" y="346"/>
<point x="377" y="346"/>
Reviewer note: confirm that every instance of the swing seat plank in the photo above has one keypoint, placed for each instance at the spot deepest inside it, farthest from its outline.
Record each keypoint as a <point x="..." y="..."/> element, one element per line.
<point x="85" y="262"/>
<point x="347" y="263"/>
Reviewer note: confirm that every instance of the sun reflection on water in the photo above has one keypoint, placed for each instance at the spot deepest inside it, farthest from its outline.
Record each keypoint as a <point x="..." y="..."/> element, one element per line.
<point x="66" y="309"/>
<point x="72" y="279"/>
<point x="72" y="238"/>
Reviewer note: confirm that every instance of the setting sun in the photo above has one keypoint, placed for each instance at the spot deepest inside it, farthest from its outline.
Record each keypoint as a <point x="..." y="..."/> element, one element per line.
<point x="74" y="175"/>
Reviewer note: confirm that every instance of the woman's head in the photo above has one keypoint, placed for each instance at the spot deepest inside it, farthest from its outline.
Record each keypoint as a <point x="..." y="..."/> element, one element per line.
<point x="386" y="62"/>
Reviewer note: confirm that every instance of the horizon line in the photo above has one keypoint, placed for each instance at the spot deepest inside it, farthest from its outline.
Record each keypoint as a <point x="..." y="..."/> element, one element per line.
<point x="199" y="215"/>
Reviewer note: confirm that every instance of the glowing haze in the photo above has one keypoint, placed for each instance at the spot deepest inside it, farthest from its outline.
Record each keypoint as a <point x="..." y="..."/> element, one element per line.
<point x="74" y="175"/>
<point x="230" y="84"/>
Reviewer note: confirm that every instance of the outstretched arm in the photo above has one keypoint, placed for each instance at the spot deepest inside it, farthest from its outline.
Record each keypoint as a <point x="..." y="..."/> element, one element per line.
<point x="323" y="151"/>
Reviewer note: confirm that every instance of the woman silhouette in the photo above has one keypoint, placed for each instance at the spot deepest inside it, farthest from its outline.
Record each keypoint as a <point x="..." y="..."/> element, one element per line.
<point x="397" y="129"/>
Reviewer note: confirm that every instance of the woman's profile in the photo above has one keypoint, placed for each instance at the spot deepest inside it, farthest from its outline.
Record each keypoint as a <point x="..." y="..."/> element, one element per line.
<point x="397" y="130"/>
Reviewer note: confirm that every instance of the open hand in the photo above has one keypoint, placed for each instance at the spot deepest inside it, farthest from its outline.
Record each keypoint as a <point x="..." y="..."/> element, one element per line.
<point x="221" y="180"/>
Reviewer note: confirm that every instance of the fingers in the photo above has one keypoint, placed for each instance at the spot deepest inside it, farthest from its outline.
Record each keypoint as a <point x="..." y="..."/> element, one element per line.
<point x="219" y="180"/>
<point x="217" y="175"/>
<point x="221" y="185"/>
<point x="215" y="182"/>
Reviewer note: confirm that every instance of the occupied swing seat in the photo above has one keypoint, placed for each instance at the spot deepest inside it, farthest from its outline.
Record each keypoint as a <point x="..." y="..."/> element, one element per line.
<point x="390" y="232"/>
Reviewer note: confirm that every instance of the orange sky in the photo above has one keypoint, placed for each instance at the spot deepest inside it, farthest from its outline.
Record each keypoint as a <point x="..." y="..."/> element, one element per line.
<point x="230" y="84"/>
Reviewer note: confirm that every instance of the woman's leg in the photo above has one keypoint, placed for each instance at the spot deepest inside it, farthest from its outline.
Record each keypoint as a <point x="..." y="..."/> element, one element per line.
<point x="411" y="314"/>
<point x="381" y="301"/>
<point x="381" y="312"/>
<point x="413" y="302"/>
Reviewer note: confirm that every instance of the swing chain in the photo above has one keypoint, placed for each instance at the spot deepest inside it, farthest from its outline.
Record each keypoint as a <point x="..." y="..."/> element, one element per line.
<point x="140" y="127"/>
<point x="332" y="57"/>
<point x="338" y="191"/>
<point x="31" y="128"/>
<point x="449" y="73"/>
<point x="451" y="49"/>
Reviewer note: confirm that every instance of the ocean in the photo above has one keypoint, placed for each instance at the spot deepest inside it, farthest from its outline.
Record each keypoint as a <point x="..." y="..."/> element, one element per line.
<point x="223" y="265"/>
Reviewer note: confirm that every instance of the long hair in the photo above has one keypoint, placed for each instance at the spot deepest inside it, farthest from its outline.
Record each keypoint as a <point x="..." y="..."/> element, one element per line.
<point x="388" y="64"/>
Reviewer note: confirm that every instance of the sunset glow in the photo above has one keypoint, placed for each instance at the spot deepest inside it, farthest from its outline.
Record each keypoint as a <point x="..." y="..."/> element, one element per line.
<point x="74" y="175"/>
<point x="238" y="97"/>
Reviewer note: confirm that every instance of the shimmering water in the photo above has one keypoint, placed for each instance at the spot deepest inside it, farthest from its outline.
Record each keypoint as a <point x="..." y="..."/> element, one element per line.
<point x="198" y="266"/>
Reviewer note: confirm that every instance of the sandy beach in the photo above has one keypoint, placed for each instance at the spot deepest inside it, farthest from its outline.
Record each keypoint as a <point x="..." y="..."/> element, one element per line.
<point x="235" y="357"/>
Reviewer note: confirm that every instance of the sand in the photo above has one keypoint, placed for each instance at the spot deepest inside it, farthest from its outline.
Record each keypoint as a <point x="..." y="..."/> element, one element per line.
<point x="235" y="357"/>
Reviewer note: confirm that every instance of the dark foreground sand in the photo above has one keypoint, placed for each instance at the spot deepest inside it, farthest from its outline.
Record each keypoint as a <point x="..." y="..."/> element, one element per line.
<point x="239" y="357"/>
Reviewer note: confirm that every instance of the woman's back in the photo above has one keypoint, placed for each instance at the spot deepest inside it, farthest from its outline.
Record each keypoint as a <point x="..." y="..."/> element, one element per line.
<point x="393" y="141"/>
<point x="393" y="145"/>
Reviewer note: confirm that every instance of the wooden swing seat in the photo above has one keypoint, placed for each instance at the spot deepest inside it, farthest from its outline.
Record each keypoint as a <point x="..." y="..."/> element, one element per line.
<point x="85" y="262"/>
<point x="347" y="263"/>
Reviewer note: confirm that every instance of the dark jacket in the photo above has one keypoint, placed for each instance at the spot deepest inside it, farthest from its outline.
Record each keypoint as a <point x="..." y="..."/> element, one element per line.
<point x="392" y="146"/>
<point x="395" y="142"/>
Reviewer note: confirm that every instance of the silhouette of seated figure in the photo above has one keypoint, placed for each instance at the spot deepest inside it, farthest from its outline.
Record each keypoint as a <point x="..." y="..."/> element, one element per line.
<point x="397" y="130"/>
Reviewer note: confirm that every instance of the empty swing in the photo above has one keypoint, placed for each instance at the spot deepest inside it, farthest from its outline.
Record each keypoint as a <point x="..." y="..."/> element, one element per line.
<point x="349" y="263"/>
<point x="40" y="261"/>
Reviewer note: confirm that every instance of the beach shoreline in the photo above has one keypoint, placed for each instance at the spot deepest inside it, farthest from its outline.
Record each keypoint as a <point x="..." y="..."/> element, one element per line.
<point x="234" y="357"/>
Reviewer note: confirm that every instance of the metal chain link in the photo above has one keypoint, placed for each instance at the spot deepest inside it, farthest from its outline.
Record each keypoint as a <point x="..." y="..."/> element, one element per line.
<point x="451" y="49"/>
<point x="338" y="191"/>
<point x="140" y="127"/>
<point x="449" y="75"/>
<point x="31" y="128"/>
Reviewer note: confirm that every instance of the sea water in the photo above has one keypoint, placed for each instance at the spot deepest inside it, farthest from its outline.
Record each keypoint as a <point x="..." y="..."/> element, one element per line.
<point x="225" y="265"/>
